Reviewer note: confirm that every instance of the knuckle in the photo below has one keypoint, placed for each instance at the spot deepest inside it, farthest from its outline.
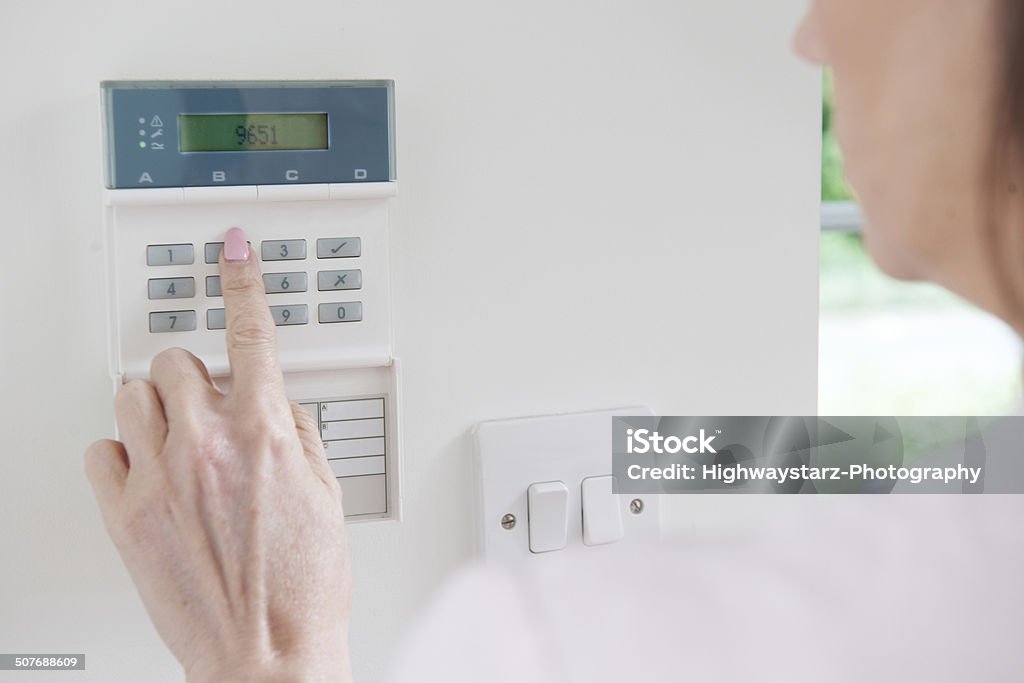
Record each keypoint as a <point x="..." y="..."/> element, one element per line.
<point x="170" y="359"/>
<point x="131" y="392"/>
<point x="95" y="456"/>
<point x="130" y="526"/>
<point x="251" y="332"/>
<point x="244" y="284"/>
<point x="303" y="419"/>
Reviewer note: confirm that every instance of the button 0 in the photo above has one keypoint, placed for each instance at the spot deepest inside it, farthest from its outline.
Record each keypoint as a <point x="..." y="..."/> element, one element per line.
<point x="280" y="283"/>
<point x="290" y="315"/>
<point x="172" y="321"/>
<point x="350" y="312"/>
<point x="283" y="250"/>
<point x="333" y="280"/>
<point x="172" y="288"/>
<point x="170" y="255"/>
<point x="338" y="247"/>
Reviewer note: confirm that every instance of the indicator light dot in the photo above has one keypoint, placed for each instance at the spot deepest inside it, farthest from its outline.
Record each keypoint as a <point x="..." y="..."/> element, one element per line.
<point x="142" y="120"/>
<point x="142" y="144"/>
<point x="142" y="132"/>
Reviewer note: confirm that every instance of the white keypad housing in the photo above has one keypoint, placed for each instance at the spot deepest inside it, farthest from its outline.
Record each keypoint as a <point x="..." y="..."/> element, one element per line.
<point x="325" y="257"/>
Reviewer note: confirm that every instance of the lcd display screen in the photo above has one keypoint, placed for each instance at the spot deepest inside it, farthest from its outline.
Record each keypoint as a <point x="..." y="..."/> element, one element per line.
<point x="252" y="132"/>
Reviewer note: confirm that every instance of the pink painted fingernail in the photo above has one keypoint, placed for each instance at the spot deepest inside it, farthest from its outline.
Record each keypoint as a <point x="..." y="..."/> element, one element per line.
<point x="235" y="246"/>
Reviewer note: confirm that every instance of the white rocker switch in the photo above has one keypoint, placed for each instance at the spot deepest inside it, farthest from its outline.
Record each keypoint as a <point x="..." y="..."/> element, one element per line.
<point x="548" y="506"/>
<point x="602" y="518"/>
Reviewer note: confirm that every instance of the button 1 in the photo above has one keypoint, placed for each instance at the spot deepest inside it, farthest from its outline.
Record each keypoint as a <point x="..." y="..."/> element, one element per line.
<point x="284" y="250"/>
<point x="215" y="319"/>
<point x="172" y="288"/>
<point x="290" y="315"/>
<point x="213" y="285"/>
<point x="338" y="247"/>
<point x="172" y="321"/>
<point x="170" y="255"/>
<point x="349" y="312"/>
<point x="279" y="283"/>
<point x="332" y="280"/>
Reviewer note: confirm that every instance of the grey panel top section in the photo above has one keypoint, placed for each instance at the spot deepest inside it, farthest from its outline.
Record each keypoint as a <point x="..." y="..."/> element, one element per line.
<point x="360" y="119"/>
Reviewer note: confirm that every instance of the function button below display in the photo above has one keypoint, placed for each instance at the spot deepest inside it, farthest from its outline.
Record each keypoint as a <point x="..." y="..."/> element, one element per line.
<point x="338" y="247"/>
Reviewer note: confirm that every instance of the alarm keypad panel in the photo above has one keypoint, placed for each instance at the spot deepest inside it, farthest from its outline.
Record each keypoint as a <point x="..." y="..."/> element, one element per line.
<point x="287" y="282"/>
<point x="323" y="245"/>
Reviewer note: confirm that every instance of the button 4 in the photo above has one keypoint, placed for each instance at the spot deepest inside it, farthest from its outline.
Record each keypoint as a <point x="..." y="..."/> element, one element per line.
<point x="172" y="288"/>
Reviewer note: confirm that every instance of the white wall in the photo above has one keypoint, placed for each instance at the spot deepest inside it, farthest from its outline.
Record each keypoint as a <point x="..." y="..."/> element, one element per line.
<point x="601" y="203"/>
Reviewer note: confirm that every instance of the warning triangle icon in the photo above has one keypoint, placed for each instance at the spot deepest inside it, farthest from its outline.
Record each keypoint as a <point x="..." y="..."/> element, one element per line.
<point x="156" y="122"/>
<point x="145" y="178"/>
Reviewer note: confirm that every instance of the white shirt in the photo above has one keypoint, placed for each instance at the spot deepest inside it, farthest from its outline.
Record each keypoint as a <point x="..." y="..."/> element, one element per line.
<point x="858" y="588"/>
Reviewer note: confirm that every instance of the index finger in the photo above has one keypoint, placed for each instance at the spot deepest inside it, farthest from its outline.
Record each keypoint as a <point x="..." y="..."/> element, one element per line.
<point x="251" y="335"/>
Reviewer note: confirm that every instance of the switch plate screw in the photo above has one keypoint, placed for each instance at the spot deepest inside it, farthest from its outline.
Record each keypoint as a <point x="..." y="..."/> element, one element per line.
<point x="508" y="521"/>
<point x="636" y="506"/>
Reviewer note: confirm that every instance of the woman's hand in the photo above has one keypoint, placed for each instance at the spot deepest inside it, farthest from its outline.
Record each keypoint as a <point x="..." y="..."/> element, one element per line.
<point x="224" y="509"/>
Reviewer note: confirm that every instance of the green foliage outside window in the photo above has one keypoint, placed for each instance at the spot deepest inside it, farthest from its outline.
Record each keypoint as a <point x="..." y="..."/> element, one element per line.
<point x="833" y="185"/>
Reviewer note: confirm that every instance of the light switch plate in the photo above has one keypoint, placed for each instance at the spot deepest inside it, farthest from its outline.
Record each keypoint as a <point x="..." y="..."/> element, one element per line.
<point x="511" y="455"/>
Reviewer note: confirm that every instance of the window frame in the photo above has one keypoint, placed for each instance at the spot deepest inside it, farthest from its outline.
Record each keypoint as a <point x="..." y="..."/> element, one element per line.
<point x="841" y="216"/>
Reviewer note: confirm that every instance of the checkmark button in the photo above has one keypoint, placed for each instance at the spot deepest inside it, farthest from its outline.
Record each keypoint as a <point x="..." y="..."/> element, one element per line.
<point x="338" y="247"/>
